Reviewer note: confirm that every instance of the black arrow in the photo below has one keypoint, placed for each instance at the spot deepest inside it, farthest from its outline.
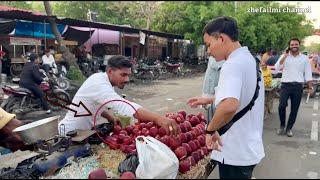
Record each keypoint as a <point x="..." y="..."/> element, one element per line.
<point x="56" y="103"/>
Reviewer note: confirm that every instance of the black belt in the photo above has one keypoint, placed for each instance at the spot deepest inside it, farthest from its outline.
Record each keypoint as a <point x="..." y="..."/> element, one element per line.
<point x="292" y="83"/>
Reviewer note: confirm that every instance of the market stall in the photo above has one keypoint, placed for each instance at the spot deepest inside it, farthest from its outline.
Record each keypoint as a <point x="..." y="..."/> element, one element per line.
<point x="79" y="154"/>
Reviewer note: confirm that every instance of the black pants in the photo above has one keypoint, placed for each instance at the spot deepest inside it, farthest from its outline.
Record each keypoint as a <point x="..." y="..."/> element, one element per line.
<point x="37" y="93"/>
<point x="235" y="172"/>
<point x="294" y="92"/>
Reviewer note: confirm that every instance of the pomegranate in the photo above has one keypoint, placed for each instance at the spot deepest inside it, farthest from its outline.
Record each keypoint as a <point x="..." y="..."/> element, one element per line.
<point x="201" y="140"/>
<point x="98" y="174"/>
<point x="129" y="129"/>
<point x="123" y="132"/>
<point x="196" y="130"/>
<point x="192" y="161"/>
<point x="165" y="140"/>
<point x="189" y="136"/>
<point x="184" y="166"/>
<point x="183" y="113"/>
<point x="196" y="156"/>
<point x="181" y="152"/>
<point x="200" y="153"/>
<point x="117" y="129"/>
<point x="187" y="147"/>
<point x="128" y="175"/>
<point x="183" y="127"/>
<point x="162" y="131"/>
<point x="153" y="131"/>
<point x="194" y="121"/>
<point x="197" y="143"/>
<point x="174" y="142"/>
<point x="188" y="125"/>
<point x="201" y="117"/>
<point x="183" y="137"/>
<point x="193" y="146"/>
<point x="150" y="125"/>
<point x="194" y="134"/>
<point x="205" y="151"/>
<point x="143" y="125"/>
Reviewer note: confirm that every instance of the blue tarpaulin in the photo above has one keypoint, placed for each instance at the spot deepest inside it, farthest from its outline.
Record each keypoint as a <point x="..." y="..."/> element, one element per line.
<point x="35" y="29"/>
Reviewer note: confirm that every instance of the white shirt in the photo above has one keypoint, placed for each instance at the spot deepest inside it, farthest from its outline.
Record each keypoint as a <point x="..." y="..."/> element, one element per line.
<point x="94" y="92"/>
<point x="242" y="143"/>
<point x="48" y="60"/>
<point x="295" y="69"/>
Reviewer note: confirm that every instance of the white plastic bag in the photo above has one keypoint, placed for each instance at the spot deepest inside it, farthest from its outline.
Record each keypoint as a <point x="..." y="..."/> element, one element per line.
<point x="156" y="160"/>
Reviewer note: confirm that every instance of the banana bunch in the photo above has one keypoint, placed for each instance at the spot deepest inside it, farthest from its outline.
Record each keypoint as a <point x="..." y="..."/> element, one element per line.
<point x="267" y="77"/>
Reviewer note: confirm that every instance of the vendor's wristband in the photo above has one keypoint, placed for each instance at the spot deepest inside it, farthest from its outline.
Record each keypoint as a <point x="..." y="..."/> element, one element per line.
<point x="210" y="132"/>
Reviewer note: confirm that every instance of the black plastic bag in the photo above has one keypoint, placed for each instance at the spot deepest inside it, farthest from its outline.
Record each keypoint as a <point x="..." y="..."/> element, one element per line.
<point x="129" y="164"/>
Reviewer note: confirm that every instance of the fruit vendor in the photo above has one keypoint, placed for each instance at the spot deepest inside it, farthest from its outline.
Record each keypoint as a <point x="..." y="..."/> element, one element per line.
<point x="239" y="148"/>
<point x="99" y="88"/>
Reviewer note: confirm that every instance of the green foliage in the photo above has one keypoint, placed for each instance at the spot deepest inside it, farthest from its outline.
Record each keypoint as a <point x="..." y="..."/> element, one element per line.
<point x="257" y="30"/>
<point x="76" y="75"/>
<point x="313" y="48"/>
<point x="17" y="4"/>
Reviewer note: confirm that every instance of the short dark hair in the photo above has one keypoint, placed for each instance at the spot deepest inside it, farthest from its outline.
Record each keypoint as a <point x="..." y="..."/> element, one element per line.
<point x="33" y="57"/>
<point x="293" y="39"/>
<point x="119" y="62"/>
<point x="226" y="25"/>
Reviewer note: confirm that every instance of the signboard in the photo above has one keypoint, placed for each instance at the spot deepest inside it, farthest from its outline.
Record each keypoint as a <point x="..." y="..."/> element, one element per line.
<point x="24" y="41"/>
<point x="142" y="37"/>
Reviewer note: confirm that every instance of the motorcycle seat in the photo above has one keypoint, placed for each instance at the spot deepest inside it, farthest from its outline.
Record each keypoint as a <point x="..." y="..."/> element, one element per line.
<point x="23" y="90"/>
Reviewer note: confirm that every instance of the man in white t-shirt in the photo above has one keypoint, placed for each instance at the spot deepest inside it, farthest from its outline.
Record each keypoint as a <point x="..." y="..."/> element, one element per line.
<point x="99" y="89"/>
<point x="240" y="148"/>
<point x="48" y="61"/>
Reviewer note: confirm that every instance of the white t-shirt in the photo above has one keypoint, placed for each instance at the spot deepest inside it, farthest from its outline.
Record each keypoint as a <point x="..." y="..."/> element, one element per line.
<point x="48" y="60"/>
<point x="94" y="92"/>
<point x="242" y="143"/>
<point x="295" y="69"/>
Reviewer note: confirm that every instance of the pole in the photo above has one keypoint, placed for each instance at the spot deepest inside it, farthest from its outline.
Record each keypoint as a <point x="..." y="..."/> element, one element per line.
<point x="45" y="34"/>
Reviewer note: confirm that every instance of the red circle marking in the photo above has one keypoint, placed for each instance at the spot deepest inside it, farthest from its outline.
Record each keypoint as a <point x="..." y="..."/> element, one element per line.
<point x="95" y="115"/>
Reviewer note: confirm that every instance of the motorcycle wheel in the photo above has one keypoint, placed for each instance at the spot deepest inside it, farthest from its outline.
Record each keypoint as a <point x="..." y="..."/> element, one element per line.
<point x="63" y="83"/>
<point x="16" y="69"/>
<point x="156" y="74"/>
<point x="12" y="104"/>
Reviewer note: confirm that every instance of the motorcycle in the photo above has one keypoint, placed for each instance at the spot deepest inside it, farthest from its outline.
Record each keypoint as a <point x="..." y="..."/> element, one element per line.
<point x="22" y="100"/>
<point x="172" y="67"/>
<point x="58" y="78"/>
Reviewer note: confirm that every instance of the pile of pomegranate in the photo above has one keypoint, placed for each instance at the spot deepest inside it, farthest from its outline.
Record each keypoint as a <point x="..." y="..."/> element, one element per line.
<point x="189" y="145"/>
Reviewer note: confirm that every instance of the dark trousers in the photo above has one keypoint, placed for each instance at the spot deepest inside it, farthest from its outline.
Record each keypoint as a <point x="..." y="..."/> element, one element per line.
<point x="37" y="93"/>
<point x="294" y="92"/>
<point x="235" y="172"/>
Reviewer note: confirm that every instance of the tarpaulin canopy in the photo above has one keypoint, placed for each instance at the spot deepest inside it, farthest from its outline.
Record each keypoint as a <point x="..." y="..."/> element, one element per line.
<point x="100" y="36"/>
<point x="6" y="27"/>
<point x="80" y="36"/>
<point x="36" y="29"/>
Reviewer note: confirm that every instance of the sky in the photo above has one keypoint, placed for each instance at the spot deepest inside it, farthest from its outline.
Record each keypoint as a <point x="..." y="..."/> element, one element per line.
<point x="315" y="10"/>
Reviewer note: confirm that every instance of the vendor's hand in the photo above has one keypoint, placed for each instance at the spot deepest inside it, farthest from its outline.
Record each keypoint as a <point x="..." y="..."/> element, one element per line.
<point x="169" y="124"/>
<point x="310" y="90"/>
<point x="196" y="101"/>
<point x="214" y="141"/>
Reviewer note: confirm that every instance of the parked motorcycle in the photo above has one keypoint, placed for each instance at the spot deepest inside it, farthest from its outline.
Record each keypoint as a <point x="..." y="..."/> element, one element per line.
<point x="172" y="67"/>
<point x="142" y="71"/>
<point x="58" y="78"/>
<point x="22" y="100"/>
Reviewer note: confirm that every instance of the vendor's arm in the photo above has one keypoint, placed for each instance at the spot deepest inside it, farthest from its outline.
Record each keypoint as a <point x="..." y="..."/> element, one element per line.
<point x="146" y="115"/>
<point x="132" y="109"/>
<point x="111" y="118"/>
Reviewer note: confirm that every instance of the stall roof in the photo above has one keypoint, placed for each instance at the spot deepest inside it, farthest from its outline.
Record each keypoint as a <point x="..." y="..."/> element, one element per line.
<point x="126" y="29"/>
<point x="14" y="13"/>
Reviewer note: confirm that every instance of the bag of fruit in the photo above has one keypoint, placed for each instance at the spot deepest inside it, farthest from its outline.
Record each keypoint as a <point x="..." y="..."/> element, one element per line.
<point x="156" y="160"/>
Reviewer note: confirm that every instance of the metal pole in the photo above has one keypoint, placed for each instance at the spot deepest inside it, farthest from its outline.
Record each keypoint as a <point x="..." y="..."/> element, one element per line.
<point x="45" y="34"/>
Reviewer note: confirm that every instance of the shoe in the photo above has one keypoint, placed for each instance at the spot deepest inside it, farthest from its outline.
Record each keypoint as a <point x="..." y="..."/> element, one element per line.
<point x="280" y="131"/>
<point x="289" y="133"/>
<point x="49" y="111"/>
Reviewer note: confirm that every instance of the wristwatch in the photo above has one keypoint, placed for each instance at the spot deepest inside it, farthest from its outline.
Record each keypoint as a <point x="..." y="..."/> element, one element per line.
<point x="210" y="132"/>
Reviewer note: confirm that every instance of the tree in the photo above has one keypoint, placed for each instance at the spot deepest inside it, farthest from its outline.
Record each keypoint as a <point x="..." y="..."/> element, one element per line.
<point x="17" y="4"/>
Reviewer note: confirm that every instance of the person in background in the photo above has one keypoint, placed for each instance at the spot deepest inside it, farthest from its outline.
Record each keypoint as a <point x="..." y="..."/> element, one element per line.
<point x="210" y="82"/>
<point x="273" y="59"/>
<point x="296" y="71"/>
<point x="30" y="78"/>
<point x="266" y="73"/>
<point x="266" y="55"/>
<point x="48" y="61"/>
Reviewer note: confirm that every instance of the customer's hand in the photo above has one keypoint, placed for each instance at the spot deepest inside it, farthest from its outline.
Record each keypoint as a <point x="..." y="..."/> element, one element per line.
<point x="196" y="101"/>
<point x="169" y="124"/>
<point x="214" y="141"/>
